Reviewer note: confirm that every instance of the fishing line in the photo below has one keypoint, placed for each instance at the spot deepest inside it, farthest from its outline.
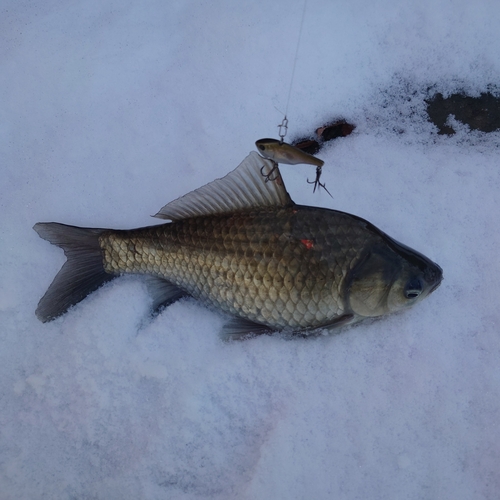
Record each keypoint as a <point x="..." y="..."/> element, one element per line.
<point x="284" y="123"/>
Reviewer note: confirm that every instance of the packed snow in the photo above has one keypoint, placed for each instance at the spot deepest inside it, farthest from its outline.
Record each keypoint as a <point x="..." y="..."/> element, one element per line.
<point x="109" y="110"/>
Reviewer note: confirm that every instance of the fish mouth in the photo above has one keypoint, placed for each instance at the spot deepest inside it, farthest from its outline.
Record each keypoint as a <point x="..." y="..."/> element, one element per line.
<point x="435" y="286"/>
<point x="434" y="276"/>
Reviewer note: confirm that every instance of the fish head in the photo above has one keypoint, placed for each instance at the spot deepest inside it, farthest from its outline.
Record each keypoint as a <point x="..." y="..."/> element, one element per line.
<point x="391" y="277"/>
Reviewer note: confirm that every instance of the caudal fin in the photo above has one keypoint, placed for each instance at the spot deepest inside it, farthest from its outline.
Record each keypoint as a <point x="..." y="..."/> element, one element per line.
<point x="80" y="275"/>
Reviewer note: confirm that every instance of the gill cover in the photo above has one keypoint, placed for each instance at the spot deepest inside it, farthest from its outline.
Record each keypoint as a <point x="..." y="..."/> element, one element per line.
<point x="390" y="278"/>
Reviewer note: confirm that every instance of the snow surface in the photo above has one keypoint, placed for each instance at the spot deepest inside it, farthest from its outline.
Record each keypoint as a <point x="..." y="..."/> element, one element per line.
<point x="111" y="109"/>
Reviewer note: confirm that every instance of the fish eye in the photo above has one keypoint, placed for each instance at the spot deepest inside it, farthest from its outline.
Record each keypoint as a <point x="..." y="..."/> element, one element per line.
<point x="262" y="147"/>
<point x="413" y="288"/>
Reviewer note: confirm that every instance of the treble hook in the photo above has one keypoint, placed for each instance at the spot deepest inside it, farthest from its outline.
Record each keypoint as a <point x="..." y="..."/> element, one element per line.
<point x="318" y="184"/>
<point x="268" y="176"/>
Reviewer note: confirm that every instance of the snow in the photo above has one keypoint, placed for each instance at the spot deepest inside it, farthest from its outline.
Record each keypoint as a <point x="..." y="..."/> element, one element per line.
<point x="109" y="110"/>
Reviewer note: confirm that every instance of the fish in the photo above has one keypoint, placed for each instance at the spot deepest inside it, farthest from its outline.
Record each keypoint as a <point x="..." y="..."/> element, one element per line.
<point x="282" y="152"/>
<point x="242" y="247"/>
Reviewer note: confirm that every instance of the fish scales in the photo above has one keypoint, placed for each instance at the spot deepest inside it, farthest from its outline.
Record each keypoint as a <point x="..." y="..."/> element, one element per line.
<point x="284" y="268"/>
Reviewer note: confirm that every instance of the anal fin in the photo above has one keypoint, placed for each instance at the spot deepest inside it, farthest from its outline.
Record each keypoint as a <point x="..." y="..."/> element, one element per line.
<point x="163" y="292"/>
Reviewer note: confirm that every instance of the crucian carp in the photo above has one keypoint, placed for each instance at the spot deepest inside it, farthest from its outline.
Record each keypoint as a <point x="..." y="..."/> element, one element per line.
<point x="241" y="246"/>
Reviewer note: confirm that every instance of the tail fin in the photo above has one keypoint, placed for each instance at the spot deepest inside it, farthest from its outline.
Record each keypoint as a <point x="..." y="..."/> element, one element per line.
<point x="80" y="275"/>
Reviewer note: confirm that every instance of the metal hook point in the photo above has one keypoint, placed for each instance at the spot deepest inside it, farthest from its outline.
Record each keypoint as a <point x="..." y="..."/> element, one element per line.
<point x="317" y="183"/>
<point x="268" y="176"/>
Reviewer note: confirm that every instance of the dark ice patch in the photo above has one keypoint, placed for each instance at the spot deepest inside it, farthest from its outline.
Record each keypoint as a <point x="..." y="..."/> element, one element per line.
<point x="479" y="113"/>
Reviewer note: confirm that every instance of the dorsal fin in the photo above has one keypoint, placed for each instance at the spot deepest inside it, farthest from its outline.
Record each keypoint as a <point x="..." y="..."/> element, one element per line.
<point x="242" y="189"/>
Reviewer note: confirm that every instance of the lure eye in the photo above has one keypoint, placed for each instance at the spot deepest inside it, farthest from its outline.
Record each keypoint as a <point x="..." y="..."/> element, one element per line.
<point x="413" y="288"/>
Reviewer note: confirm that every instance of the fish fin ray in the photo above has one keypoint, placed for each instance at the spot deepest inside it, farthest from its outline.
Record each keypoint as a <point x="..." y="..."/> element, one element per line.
<point x="242" y="189"/>
<point x="163" y="292"/>
<point x="238" y="328"/>
<point x="241" y="328"/>
<point x="81" y="274"/>
<point x="343" y="320"/>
